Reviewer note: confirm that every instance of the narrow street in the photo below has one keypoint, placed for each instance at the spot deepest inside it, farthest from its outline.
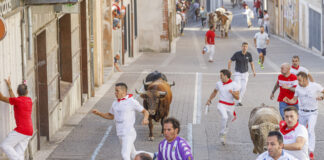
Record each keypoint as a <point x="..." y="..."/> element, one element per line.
<point x="195" y="78"/>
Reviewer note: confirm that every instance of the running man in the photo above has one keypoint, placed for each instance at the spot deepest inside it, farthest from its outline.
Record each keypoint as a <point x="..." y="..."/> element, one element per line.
<point x="261" y="41"/>
<point x="295" y="135"/>
<point x="307" y="93"/>
<point x="241" y="75"/>
<point x="210" y="42"/>
<point x="249" y="15"/>
<point x="296" y="68"/>
<point x="173" y="146"/>
<point x="123" y="113"/>
<point x="228" y="91"/>
<point x="275" y="148"/>
<point x="287" y="83"/>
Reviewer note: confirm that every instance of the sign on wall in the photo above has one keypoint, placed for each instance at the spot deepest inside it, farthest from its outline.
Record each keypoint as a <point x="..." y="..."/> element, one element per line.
<point x="3" y="29"/>
<point x="5" y="6"/>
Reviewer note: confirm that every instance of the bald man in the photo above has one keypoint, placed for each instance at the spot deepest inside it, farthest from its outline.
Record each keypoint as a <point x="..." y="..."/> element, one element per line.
<point x="287" y="83"/>
<point x="143" y="156"/>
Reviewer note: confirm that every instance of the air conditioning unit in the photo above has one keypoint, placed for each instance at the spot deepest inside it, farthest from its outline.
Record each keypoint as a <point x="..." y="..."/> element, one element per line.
<point x="42" y="2"/>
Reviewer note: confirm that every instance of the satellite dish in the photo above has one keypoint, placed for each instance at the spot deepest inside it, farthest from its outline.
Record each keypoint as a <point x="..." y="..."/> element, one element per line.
<point x="3" y="28"/>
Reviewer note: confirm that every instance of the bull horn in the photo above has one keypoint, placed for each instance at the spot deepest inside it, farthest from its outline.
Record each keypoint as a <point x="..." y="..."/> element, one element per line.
<point x="255" y="127"/>
<point x="161" y="93"/>
<point x="146" y="83"/>
<point x="171" y="84"/>
<point x="139" y="92"/>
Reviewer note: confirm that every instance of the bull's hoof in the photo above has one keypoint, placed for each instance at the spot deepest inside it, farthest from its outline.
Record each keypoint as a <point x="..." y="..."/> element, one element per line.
<point x="151" y="138"/>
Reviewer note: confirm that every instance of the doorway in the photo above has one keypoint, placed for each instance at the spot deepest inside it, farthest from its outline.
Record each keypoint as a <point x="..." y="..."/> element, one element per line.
<point x="41" y="88"/>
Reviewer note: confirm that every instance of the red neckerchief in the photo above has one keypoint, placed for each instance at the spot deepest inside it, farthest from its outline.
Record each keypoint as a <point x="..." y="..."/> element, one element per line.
<point x="229" y="81"/>
<point x="128" y="96"/>
<point x="283" y="127"/>
<point x="295" y="67"/>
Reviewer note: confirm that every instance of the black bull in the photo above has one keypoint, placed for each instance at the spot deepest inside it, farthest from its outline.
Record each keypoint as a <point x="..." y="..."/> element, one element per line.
<point x="157" y="98"/>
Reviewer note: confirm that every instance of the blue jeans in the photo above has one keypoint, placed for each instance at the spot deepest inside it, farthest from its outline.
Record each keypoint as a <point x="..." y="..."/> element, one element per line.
<point x="282" y="106"/>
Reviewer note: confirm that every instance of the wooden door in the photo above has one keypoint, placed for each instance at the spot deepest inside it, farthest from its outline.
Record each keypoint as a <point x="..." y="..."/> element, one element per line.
<point x="41" y="87"/>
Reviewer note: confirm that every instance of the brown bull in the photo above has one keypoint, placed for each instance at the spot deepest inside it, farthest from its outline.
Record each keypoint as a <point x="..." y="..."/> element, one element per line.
<point x="157" y="99"/>
<point x="262" y="120"/>
<point x="223" y="20"/>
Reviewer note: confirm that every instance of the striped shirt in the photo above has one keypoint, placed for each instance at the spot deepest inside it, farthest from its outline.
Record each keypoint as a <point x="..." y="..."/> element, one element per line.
<point x="178" y="149"/>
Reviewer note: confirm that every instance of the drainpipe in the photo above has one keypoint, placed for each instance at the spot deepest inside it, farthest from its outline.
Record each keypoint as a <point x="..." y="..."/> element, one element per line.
<point x="23" y="42"/>
<point x="30" y="33"/>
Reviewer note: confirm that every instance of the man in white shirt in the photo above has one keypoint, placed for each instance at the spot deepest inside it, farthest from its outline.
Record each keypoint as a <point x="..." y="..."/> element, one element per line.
<point x="295" y="135"/>
<point x="296" y="68"/>
<point x="261" y="41"/>
<point x="266" y="21"/>
<point x="249" y="15"/>
<point x="307" y="93"/>
<point x="275" y="151"/>
<point x="123" y="113"/>
<point x="228" y="91"/>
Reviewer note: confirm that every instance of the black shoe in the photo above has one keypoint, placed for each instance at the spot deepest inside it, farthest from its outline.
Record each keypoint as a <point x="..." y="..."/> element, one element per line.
<point x="239" y="104"/>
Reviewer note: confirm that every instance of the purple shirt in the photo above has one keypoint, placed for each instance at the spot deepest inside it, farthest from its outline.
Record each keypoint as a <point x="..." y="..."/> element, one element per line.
<point x="176" y="150"/>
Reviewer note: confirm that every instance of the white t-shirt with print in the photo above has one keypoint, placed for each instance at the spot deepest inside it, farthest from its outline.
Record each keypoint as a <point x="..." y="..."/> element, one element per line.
<point x="284" y="156"/>
<point x="289" y="138"/>
<point x="300" y="69"/>
<point x="223" y="89"/>
<point x="124" y="115"/>
<point x="261" y="39"/>
<point x="307" y="95"/>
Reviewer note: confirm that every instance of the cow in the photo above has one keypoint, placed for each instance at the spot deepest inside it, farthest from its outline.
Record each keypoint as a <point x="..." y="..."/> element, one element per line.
<point x="263" y="120"/>
<point x="224" y="18"/>
<point x="157" y="98"/>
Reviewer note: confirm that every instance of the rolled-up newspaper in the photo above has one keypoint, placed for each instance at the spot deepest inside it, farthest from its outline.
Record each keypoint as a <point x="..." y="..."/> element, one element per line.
<point x="206" y="109"/>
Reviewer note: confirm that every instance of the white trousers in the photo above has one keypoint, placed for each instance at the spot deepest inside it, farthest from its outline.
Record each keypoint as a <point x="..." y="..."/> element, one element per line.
<point x="309" y="119"/>
<point x="15" y="145"/>
<point x="211" y="51"/>
<point x="128" y="150"/>
<point x="226" y="113"/>
<point x="241" y="79"/>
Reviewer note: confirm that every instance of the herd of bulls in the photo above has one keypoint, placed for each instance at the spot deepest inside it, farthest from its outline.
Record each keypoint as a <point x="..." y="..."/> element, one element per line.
<point x="157" y="98"/>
